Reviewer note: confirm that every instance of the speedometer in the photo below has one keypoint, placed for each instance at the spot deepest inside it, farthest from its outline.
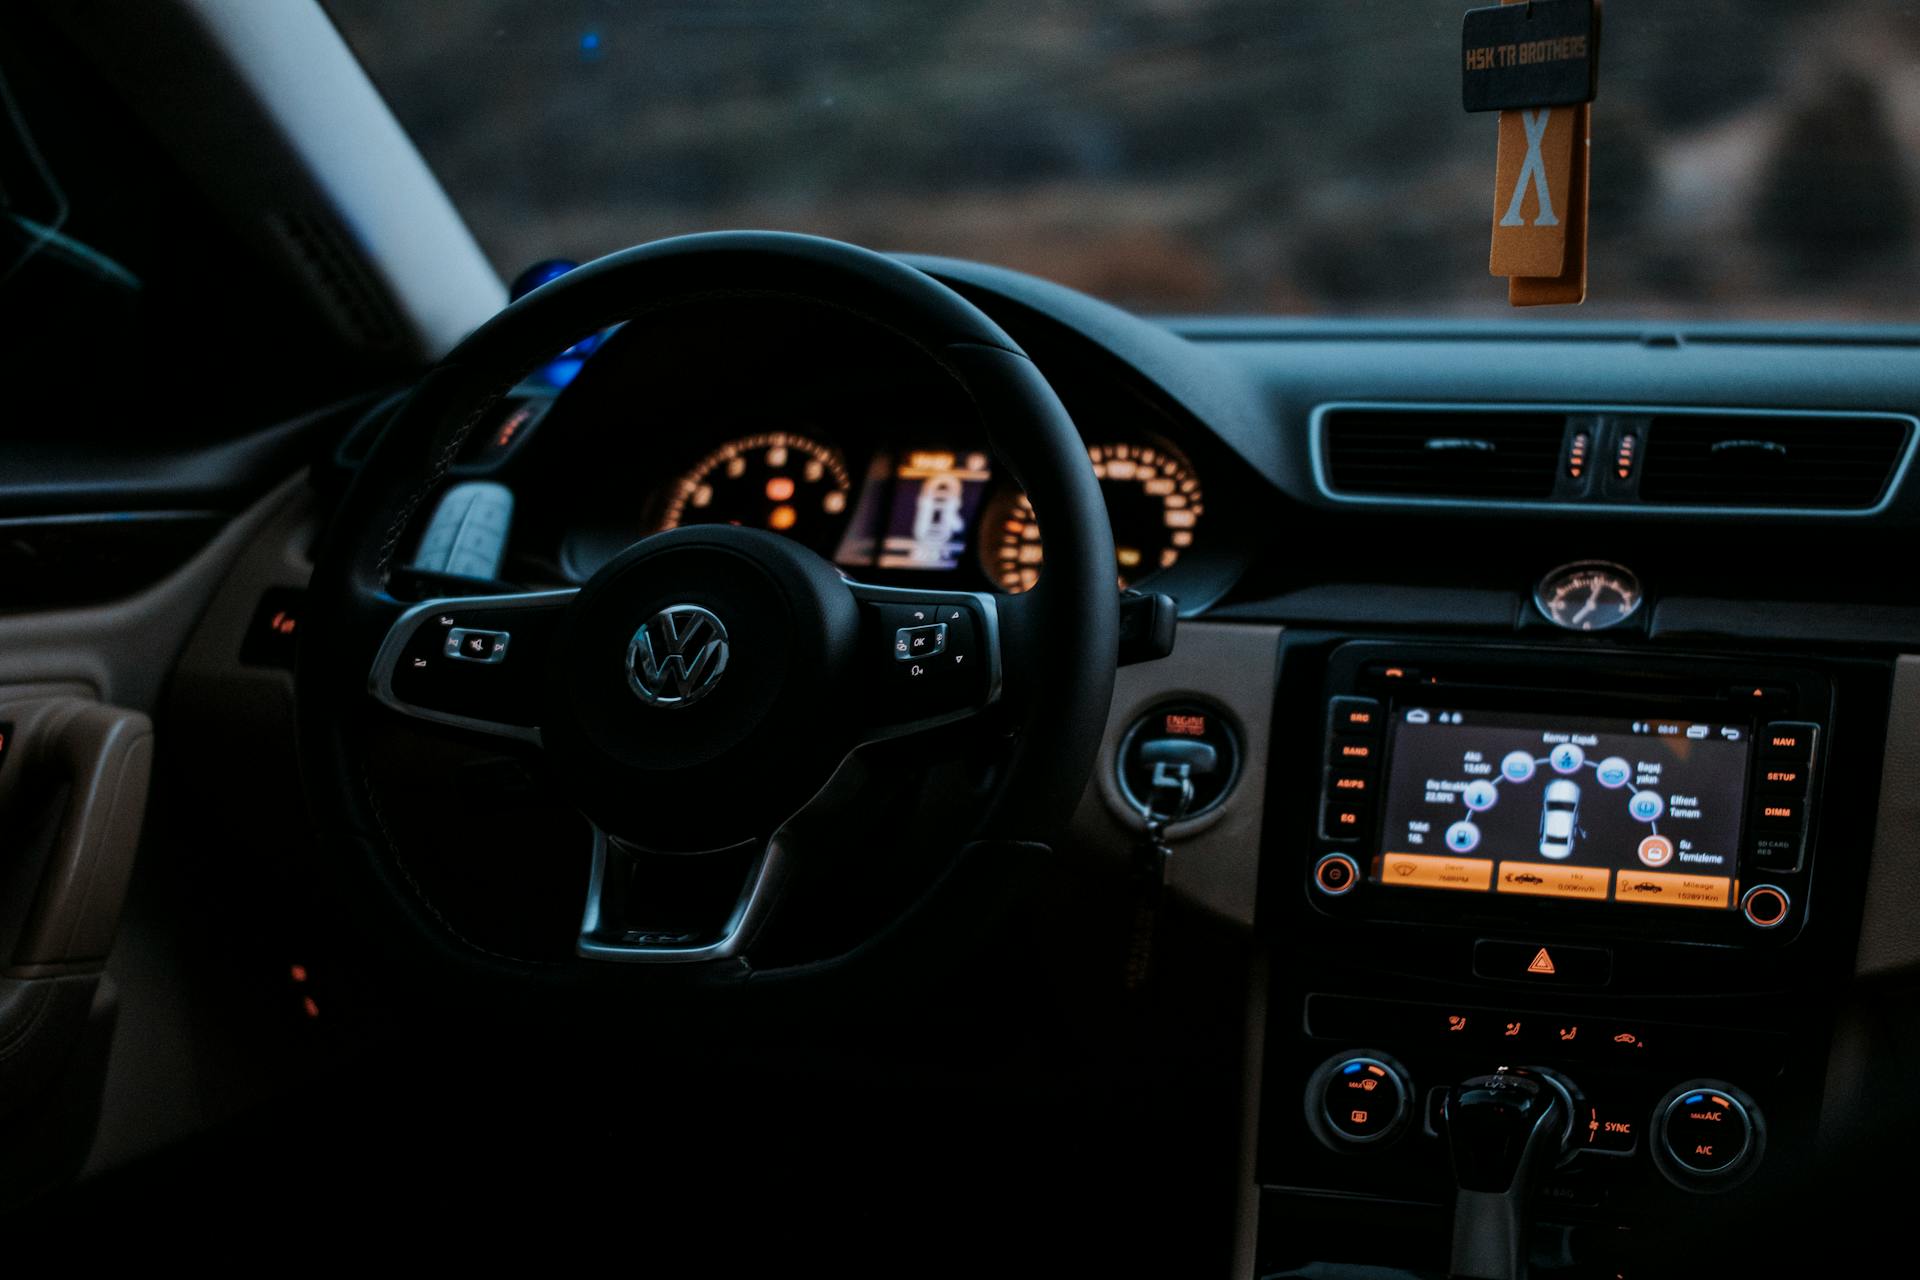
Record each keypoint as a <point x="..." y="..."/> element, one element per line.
<point x="1153" y="500"/>
<point x="777" y="480"/>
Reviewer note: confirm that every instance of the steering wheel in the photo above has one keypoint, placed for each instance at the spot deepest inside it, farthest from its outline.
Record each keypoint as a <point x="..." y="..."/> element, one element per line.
<point x="703" y="690"/>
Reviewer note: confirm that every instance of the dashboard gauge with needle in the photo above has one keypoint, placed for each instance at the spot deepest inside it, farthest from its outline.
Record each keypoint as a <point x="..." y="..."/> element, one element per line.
<point x="1591" y="595"/>
<point x="1153" y="500"/>
<point x="776" y="480"/>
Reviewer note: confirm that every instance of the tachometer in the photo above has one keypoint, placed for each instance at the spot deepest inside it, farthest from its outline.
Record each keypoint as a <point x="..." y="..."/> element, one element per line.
<point x="776" y="480"/>
<point x="1153" y="499"/>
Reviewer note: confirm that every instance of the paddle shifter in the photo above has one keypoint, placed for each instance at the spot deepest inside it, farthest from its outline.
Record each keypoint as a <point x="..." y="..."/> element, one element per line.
<point x="1505" y="1130"/>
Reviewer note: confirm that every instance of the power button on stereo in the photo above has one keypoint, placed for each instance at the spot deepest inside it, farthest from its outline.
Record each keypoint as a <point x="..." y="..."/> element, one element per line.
<point x="1336" y="874"/>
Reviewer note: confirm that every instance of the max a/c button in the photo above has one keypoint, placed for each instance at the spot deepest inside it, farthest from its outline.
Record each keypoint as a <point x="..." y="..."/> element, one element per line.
<point x="1545" y="963"/>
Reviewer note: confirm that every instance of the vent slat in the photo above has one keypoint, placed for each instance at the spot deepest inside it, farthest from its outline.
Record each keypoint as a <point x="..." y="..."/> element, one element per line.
<point x="1834" y="463"/>
<point x="1387" y="451"/>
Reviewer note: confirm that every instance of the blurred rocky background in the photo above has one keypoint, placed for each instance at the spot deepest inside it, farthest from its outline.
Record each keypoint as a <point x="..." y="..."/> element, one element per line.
<point x="1753" y="159"/>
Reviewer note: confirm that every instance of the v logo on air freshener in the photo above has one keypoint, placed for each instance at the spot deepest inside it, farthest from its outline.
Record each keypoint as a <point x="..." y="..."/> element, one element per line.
<point x="1532" y="183"/>
<point x="1533" y="167"/>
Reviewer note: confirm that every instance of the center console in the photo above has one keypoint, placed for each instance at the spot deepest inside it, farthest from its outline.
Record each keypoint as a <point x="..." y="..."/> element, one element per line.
<point x="1586" y="889"/>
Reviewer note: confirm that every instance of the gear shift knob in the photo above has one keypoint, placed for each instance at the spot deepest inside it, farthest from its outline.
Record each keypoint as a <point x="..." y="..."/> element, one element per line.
<point x="1504" y="1131"/>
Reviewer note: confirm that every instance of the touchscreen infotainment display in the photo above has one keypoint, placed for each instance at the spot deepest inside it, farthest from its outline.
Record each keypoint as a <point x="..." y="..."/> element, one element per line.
<point x="1621" y="811"/>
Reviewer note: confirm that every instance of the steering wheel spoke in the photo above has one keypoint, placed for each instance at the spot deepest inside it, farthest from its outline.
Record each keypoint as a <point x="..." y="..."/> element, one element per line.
<point x="677" y="908"/>
<point x="928" y="658"/>
<point x="470" y="662"/>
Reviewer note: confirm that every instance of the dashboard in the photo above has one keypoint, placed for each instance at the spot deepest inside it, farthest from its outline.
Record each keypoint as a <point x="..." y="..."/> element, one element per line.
<point x="1612" y="806"/>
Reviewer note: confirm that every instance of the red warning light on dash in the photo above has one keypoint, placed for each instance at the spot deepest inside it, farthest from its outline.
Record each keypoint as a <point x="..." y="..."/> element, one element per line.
<point x="1186" y="724"/>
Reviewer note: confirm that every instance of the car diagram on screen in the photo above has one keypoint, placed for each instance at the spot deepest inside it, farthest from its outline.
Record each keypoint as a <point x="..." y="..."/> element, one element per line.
<point x="1560" y="828"/>
<point x="1559" y="818"/>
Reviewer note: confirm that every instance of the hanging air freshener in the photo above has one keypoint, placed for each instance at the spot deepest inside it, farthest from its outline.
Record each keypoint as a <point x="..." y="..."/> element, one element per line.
<point x="1536" y="62"/>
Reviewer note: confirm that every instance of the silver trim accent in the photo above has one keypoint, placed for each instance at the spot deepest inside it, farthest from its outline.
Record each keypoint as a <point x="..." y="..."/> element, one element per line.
<point x="1316" y="445"/>
<point x="380" y="679"/>
<point x="749" y="913"/>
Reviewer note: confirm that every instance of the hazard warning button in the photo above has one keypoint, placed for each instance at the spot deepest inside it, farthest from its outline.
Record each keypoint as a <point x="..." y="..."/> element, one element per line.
<point x="1542" y="963"/>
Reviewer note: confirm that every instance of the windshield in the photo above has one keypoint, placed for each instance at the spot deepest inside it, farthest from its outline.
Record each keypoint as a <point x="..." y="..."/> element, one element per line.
<point x="1752" y="159"/>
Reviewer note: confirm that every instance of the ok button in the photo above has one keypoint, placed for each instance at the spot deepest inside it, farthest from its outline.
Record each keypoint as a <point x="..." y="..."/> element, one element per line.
<point x="928" y="641"/>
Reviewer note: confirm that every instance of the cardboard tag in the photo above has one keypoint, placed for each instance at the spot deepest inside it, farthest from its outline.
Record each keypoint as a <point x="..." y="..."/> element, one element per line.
<point x="1544" y="53"/>
<point x="1532" y="191"/>
<point x="1569" y="286"/>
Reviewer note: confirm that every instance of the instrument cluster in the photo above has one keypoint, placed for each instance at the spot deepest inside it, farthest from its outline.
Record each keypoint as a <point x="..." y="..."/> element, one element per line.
<point x="906" y="506"/>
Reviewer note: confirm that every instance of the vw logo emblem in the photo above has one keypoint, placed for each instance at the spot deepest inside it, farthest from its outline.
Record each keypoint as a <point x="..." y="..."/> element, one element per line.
<point x="676" y="658"/>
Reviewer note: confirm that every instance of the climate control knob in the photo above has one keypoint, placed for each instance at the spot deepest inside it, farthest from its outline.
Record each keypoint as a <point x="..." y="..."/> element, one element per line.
<point x="1707" y="1136"/>
<point x="1358" y="1099"/>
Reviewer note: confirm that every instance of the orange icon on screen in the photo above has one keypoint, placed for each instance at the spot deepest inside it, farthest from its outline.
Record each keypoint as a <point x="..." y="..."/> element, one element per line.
<point x="1360" y="1117"/>
<point x="1456" y="1023"/>
<point x="1569" y="1033"/>
<point x="1513" y="1028"/>
<point x="1542" y="962"/>
<point x="1366" y="1086"/>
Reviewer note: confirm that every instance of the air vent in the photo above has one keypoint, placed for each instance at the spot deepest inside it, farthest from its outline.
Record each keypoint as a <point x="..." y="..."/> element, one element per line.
<point x="1768" y="460"/>
<point x="339" y="279"/>
<point x="1443" y="454"/>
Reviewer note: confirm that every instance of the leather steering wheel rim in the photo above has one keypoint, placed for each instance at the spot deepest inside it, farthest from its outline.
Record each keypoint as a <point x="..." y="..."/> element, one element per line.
<point x="1057" y="643"/>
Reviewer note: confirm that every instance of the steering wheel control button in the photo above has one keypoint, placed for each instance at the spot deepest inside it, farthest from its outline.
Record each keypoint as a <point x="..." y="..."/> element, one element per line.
<point x="1542" y="963"/>
<point x="1765" y="906"/>
<point x="1358" y="1099"/>
<point x="1356" y="717"/>
<point x="470" y="644"/>
<point x="1789" y="740"/>
<point x="913" y="643"/>
<point x="1336" y="874"/>
<point x="454" y="662"/>
<point x="1178" y="746"/>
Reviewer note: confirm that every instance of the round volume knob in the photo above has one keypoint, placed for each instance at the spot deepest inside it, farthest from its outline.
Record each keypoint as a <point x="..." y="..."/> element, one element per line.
<point x="1336" y="874"/>
<point x="1358" y="1099"/>
<point x="1707" y="1136"/>
<point x="1765" y="905"/>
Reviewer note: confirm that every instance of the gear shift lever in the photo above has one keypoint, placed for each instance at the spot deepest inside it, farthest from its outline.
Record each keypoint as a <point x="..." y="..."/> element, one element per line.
<point x="1505" y="1131"/>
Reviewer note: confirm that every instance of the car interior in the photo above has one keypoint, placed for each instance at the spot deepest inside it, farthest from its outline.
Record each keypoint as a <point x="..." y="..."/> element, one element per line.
<point x="905" y="637"/>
